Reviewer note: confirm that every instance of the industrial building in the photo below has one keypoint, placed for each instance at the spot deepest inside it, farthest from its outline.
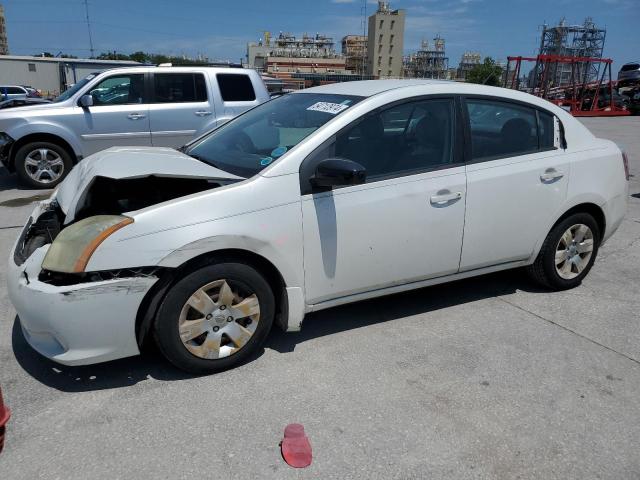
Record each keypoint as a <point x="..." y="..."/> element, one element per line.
<point x="586" y="40"/>
<point x="385" y="42"/>
<point x="290" y="54"/>
<point x="51" y="75"/>
<point x="4" y="43"/>
<point x="467" y="62"/>
<point x="354" y="50"/>
<point x="430" y="61"/>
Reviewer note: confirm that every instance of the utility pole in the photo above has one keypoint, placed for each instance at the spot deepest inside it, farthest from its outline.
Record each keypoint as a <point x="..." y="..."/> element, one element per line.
<point x="364" y="34"/>
<point x="86" y="8"/>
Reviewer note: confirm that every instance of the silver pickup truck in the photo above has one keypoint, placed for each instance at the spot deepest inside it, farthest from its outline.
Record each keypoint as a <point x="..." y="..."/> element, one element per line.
<point x="138" y="106"/>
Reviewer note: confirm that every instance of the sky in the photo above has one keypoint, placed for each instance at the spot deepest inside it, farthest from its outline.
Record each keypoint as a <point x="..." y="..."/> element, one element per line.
<point x="220" y="30"/>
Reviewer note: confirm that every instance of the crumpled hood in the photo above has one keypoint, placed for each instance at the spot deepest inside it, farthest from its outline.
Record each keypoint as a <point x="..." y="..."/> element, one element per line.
<point x="131" y="162"/>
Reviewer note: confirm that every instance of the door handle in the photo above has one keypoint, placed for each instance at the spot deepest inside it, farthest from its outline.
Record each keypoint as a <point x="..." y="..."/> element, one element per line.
<point x="444" y="197"/>
<point x="136" y="116"/>
<point x="551" y="174"/>
<point x="203" y="113"/>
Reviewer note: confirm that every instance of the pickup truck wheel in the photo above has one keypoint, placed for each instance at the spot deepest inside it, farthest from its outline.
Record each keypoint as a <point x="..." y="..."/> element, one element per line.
<point x="568" y="253"/>
<point x="42" y="164"/>
<point x="214" y="318"/>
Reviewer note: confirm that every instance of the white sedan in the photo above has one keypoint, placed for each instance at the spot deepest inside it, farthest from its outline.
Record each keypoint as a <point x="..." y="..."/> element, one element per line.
<point x="318" y="198"/>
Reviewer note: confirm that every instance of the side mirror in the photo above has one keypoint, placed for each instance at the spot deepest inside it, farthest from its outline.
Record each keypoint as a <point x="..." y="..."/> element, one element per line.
<point x="85" y="101"/>
<point x="335" y="172"/>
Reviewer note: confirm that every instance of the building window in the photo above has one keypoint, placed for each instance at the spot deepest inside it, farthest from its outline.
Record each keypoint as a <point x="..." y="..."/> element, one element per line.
<point x="379" y="72"/>
<point x="379" y="61"/>
<point x="381" y="23"/>
<point x="380" y="39"/>
<point x="390" y="48"/>
<point x="392" y="24"/>
<point x="390" y="73"/>
<point x="391" y="39"/>
<point x="390" y="61"/>
<point x="32" y="67"/>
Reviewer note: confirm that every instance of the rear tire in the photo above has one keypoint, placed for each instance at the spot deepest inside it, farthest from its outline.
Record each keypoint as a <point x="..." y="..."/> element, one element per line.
<point x="568" y="253"/>
<point x="215" y="317"/>
<point x="42" y="164"/>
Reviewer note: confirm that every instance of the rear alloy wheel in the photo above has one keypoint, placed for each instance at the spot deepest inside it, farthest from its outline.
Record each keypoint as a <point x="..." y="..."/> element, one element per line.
<point x="567" y="253"/>
<point x="215" y="317"/>
<point x="574" y="251"/>
<point x="42" y="164"/>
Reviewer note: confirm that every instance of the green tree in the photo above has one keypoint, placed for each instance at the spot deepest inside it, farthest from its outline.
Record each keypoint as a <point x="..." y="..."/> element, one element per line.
<point x="140" y="57"/>
<point x="486" y="73"/>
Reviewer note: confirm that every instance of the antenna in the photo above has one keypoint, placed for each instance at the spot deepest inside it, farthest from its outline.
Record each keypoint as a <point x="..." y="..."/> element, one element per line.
<point x="86" y="8"/>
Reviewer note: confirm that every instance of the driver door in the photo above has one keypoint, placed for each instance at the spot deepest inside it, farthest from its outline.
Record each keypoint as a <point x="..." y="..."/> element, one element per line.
<point x="405" y="223"/>
<point x="119" y="115"/>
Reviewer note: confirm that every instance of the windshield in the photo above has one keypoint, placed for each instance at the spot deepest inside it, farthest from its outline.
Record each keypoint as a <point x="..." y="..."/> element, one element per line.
<point x="254" y="140"/>
<point x="70" y="92"/>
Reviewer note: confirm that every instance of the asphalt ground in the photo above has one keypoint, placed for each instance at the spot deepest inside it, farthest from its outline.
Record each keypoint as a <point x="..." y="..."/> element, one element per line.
<point x="490" y="377"/>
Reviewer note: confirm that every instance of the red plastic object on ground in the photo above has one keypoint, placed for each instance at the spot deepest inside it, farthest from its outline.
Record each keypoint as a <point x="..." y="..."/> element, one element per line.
<point x="296" y="449"/>
<point x="5" y="413"/>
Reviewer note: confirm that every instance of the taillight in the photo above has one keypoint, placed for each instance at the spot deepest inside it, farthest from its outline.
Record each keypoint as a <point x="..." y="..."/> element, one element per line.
<point x="625" y="161"/>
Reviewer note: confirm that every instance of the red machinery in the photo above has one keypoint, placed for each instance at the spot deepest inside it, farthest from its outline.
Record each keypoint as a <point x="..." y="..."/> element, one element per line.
<point x="581" y="97"/>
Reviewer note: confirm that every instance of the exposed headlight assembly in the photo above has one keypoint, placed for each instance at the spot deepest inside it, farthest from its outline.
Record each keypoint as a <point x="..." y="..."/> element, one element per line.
<point x="72" y="248"/>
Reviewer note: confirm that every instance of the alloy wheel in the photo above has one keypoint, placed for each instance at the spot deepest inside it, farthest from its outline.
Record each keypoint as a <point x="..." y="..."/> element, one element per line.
<point x="574" y="251"/>
<point x="218" y="319"/>
<point x="44" y="165"/>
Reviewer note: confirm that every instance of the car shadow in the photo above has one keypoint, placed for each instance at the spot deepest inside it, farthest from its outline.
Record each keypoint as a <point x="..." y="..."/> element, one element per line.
<point x="388" y="308"/>
<point x="8" y="181"/>
<point x="130" y="371"/>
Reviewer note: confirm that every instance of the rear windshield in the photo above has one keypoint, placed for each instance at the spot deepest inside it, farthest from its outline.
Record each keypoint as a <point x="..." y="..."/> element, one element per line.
<point x="259" y="137"/>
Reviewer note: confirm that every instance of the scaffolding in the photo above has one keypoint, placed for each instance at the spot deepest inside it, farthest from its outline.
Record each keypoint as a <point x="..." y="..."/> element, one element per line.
<point x="4" y="44"/>
<point x="578" y="41"/>
<point x="580" y="97"/>
<point x="467" y="62"/>
<point x="354" y="49"/>
<point x="288" y="45"/>
<point x="428" y="62"/>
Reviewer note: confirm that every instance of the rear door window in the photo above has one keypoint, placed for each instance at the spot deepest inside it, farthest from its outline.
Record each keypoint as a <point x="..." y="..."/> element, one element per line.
<point x="501" y="129"/>
<point x="179" y="87"/>
<point x="235" y="87"/>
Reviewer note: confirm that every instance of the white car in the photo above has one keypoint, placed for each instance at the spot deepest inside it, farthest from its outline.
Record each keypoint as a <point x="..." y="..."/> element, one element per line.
<point x="318" y="198"/>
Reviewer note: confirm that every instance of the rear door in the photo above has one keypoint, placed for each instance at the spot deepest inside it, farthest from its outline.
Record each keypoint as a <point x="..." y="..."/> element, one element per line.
<point x="119" y="115"/>
<point x="180" y="107"/>
<point x="516" y="180"/>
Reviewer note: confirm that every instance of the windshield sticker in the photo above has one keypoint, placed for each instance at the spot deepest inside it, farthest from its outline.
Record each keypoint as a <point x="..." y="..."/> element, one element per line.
<point x="326" y="107"/>
<point x="266" y="161"/>
<point x="278" y="152"/>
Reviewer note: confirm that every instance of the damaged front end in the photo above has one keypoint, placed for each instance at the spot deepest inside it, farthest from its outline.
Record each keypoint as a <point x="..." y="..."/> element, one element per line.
<point x="69" y="313"/>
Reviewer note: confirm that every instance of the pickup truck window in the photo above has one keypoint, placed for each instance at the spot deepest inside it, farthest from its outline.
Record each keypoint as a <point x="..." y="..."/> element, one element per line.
<point x="179" y="87"/>
<point x="235" y="87"/>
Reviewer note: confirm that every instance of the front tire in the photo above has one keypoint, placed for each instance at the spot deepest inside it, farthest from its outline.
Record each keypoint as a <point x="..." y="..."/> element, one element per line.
<point x="42" y="164"/>
<point x="215" y="317"/>
<point x="568" y="253"/>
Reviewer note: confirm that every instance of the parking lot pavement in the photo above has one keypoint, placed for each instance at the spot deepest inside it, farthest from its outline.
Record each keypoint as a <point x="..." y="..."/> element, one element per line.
<point x="483" y="378"/>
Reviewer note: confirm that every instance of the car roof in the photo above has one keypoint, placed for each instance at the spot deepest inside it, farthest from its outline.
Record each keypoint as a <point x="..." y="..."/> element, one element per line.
<point x="368" y="88"/>
<point x="413" y="87"/>
<point x="177" y="69"/>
